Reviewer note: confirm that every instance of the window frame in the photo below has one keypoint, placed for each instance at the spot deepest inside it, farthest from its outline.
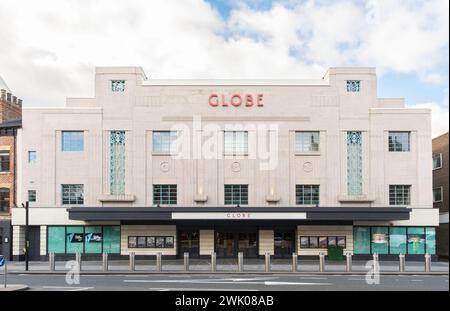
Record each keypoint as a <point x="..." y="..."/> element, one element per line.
<point x="6" y="199"/>
<point x="170" y="188"/>
<point x="72" y="186"/>
<point x="114" y="88"/>
<point x="440" y="161"/>
<point x="409" y="187"/>
<point x="234" y="146"/>
<point x="392" y="147"/>
<point x="441" y="191"/>
<point x="311" y="188"/>
<point x="5" y="154"/>
<point x="171" y="148"/>
<point x="30" y="152"/>
<point x="351" y="89"/>
<point x="231" y="191"/>
<point x="71" y="144"/>
<point x="297" y="138"/>
<point x="35" y="195"/>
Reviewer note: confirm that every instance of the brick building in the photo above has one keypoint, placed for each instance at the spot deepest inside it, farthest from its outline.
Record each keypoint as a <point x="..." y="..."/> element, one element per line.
<point x="440" y="190"/>
<point x="10" y="121"/>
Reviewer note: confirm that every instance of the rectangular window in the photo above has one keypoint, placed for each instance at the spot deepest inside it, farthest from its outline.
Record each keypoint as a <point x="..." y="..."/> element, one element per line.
<point x="437" y="195"/>
<point x="361" y="240"/>
<point x="4" y="161"/>
<point x="399" y="194"/>
<point x="4" y="199"/>
<point x="307" y="194"/>
<point x="430" y="240"/>
<point x="111" y="239"/>
<point x="399" y="141"/>
<point x="322" y="241"/>
<point x="354" y="163"/>
<point x="165" y="194"/>
<point x="31" y="195"/>
<point x="397" y="240"/>
<point x="164" y="141"/>
<point x="236" y="195"/>
<point x="118" y="85"/>
<point x="380" y="240"/>
<point x="32" y="156"/>
<point x="353" y="85"/>
<point x="117" y="162"/>
<point x="235" y="142"/>
<point x="306" y="141"/>
<point x="72" y="194"/>
<point x="437" y="161"/>
<point x="416" y="240"/>
<point x="72" y="141"/>
<point x="74" y="239"/>
<point x="93" y="239"/>
<point x="56" y="239"/>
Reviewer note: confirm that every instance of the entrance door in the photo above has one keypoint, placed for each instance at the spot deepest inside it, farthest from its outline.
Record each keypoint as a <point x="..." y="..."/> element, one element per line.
<point x="34" y="234"/>
<point x="284" y="243"/>
<point x="228" y="244"/>
<point x="189" y="243"/>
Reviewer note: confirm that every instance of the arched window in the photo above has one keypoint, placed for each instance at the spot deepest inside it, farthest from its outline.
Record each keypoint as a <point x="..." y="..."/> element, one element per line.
<point x="4" y="199"/>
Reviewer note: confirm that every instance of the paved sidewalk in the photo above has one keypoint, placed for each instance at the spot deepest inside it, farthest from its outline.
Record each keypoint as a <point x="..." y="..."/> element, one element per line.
<point x="13" y="287"/>
<point x="231" y="265"/>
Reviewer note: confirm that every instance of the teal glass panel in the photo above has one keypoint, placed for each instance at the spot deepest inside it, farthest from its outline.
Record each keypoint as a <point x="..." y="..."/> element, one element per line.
<point x="416" y="240"/>
<point x="111" y="239"/>
<point x="380" y="240"/>
<point x="361" y="240"/>
<point x="74" y="239"/>
<point x="397" y="240"/>
<point x="354" y="163"/>
<point x="431" y="240"/>
<point x="56" y="240"/>
<point x="93" y="239"/>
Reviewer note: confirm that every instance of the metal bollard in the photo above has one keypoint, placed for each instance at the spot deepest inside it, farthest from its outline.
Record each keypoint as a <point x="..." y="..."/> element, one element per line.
<point x="159" y="262"/>
<point x="186" y="261"/>
<point x="401" y="262"/>
<point x="349" y="263"/>
<point x="294" y="262"/>
<point x="78" y="259"/>
<point x="51" y="261"/>
<point x="267" y="262"/>
<point x="240" y="261"/>
<point x="213" y="262"/>
<point x="427" y="262"/>
<point x="321" y="262"/>
<point x="105" y="262"/>
<point x="132" y="262"/>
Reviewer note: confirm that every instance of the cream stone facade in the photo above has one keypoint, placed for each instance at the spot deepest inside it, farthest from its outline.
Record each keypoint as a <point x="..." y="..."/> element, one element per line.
<point x="272" y="218"/>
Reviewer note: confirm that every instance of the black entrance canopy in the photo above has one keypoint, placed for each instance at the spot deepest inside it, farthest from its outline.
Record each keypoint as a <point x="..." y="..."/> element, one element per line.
<point x="166" y="213"/>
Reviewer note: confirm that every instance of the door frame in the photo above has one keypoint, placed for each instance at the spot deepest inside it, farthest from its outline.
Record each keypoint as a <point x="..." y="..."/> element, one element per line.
<point x="179" y="254"/>
<point x="236" y="231"/>
<point x="283" y="231"/>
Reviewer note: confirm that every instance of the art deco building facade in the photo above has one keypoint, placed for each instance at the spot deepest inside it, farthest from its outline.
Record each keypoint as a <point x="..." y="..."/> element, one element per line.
<point x="227" y="166"/>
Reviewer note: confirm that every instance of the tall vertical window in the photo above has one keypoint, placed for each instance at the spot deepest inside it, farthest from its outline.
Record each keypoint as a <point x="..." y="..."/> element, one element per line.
<point x="31" y="195"/>
<point x="306" y="141"/>
<point x="399" y="194"/>
<point x="72" y="194"/>
<point x="307" y="194"/>
<point x="117" y="162"/>
<point x="437" y="161"/>
<point x="72" y="141"/>
<point x="118" y="85"/>
<point x="4" y="199"/>
<point x="354" y="163"/>
<point x="165" y="194"/>
<point x="236" y="195"/>
<point x="164" y="141"/>
<point x="235" y="142"/>
<point x="4" y="161"/>
<point x="437" y="194"/>
<point x="399" y="141"/>
<point x="353" y="85"/>
<point x="32" y="156"/>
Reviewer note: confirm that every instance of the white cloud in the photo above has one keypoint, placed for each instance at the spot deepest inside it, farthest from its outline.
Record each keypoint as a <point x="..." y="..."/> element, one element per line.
<point x="49" y="48"/>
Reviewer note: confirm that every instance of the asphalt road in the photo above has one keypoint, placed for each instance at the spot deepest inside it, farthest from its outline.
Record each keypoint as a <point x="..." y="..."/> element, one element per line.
<point x="232" y="282"/>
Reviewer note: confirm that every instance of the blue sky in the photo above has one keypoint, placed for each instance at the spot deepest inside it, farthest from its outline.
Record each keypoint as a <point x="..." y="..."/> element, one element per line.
<point x="54" y="45"/>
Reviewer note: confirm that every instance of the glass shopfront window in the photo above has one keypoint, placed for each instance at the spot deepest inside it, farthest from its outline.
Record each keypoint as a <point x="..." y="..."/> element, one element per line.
<point x="380" y="240"/>
<point x="361" y="240"/>
<point x="416" y="240"/>
<point x="397" y="240"/>
<point x="83" y="239"/>
<point x="394" y="240"/>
